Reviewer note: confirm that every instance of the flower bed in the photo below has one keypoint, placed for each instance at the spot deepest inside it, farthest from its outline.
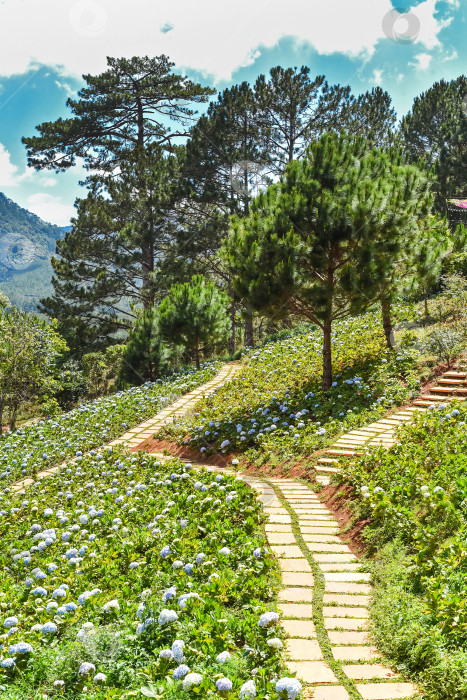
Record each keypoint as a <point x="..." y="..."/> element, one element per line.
<point x="416" y="496"/>
<point x="32" y="448"/>
<point x="276" y="402"/>
<point x="120" y="573"/>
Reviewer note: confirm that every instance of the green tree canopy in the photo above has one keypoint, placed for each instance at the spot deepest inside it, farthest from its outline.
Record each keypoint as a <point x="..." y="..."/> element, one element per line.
<point x="144" y="356"/>
<point x="29" y="349"/>
<point x="127" y="107"/>
<point x="435" y="132"/>
<point x="323" y="242"/>
<point x="194" y="316"/>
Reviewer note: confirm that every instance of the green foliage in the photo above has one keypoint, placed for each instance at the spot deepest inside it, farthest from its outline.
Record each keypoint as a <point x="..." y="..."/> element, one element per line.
<point x="143" y="356"/>
<point x="29" y="349"/>
<point x="326" y="241"/>
<point x="275" y="404"/>
<point x="194" y="316"/>
<point x="48" y="442"/>
<point x="101" y="369"/>
<point x="435" y="132"/>
<point x="417" y="492"/>
<point x="172" y="540"/>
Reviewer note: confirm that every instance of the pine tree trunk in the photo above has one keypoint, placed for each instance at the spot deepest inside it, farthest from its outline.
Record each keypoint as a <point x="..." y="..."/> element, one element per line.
<point x="12" y="417"/>
<point x="387" y="322"/>
<point x="197" y="353"/>
<point x="249" y="337"/>
<point x="327" y="357"/>
<point x="232" y="342"/>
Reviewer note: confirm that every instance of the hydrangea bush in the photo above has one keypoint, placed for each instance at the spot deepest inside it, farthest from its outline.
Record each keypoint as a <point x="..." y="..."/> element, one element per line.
<point x="415" y="496"/>
<point x="120" y="573"/>
<point x="32" y="448"/>
<point x="276" y="402"/>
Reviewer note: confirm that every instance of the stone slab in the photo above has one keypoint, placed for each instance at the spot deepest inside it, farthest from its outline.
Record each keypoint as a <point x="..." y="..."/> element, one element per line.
<point x="339" y="611"/>
<point x="326" y="692"/>
<point x="296" y="578"/>
<point x="281" y="538"/>
<point x="346" y="587"/>
<point x="355" y="653"/>
<point x="301" y="611"/>
<point x="299" y="628"/>
<point x="312" y="671"/>
<point x="287" y="551"/>
<point x="295" y="565"/>
<point x="367" y="672"/>
<point x="296" y="595"/>
<point x="385" y="691"/>
<point x="346" y="623"/>
<point x="303" y="650"/>
<point x="350" y="576"/>
<point x="342" y="599"/>
<point x="269" y="527"/>
<point x="348" y="637"/>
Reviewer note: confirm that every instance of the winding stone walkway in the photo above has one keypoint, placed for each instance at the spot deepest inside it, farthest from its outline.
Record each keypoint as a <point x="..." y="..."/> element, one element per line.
<point x="382" y="433"/>
<point x="178" y="408"/>
<point x="139" y="433"/>
<point x="325" y="594"/>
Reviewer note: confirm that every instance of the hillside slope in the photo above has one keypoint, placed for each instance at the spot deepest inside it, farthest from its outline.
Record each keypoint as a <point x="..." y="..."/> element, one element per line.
<point x="26" y="246"/>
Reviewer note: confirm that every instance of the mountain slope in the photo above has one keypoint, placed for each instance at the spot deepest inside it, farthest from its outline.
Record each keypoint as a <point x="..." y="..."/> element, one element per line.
<point x="26" y="246"/>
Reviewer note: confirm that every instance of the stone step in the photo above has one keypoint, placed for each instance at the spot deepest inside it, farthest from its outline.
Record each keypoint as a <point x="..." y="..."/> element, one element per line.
<point x="448" y="390"/>
<point x="451" y="381"/>
<point x="433" y="398"/>
<point x="326" y="470"/>
<point x="327" y="460"/>
<point x="344" y="453"/>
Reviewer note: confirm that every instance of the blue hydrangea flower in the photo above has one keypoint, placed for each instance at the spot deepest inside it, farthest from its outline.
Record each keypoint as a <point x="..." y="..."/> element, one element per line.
<point x="224" y="685"/>
<point x="288" y="688"/>
<point x="181" y="671"/>
<point x="49" y="628"/>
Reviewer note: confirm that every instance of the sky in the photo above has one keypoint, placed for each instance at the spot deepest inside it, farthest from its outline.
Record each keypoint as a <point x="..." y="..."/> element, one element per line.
<point x="47" y="45"/>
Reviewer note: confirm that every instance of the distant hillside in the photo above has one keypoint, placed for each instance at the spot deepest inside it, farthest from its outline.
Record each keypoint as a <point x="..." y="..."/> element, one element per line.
<point x="26" y="246"/>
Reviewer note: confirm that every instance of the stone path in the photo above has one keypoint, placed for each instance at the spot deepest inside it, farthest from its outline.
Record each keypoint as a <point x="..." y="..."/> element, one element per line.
<point x="324" y="600"/>
<point x="146" y="429"/>
<point x="325" y="594"/>
<point x="451" y="385"/>
<point x="141" y="432"/>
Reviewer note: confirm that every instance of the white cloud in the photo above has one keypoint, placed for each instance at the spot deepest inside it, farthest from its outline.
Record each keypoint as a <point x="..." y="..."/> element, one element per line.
<point x="48" y="182"/>
<point x="50" y="208"/>
<point x="213" y="37"/>
<point x="423" y="60"/>
<point x="377" y="76"/>
<point x="9" y="172"/>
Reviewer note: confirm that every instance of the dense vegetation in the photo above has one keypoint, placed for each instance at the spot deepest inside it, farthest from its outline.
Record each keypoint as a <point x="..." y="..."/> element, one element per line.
<point x="276" y="404"/>
<point x="48" y="442"/>
<point x="101" y="596"/>
<point x="415" y="495"/>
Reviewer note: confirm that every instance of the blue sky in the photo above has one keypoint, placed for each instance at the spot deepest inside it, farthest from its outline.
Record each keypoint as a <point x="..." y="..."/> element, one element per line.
<point x="46" y="45"/>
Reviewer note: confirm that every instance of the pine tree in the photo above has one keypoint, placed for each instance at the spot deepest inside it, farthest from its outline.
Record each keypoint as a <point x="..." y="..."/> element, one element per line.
<point x="121" y="127"/>
<point x="144" y="357"/>
<point x="107" y="263"/>
<point x="435" y="132"/>
<point x="123" y="109"/>
<point x="194" y="316"/>
<point x="323" y="242"/>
